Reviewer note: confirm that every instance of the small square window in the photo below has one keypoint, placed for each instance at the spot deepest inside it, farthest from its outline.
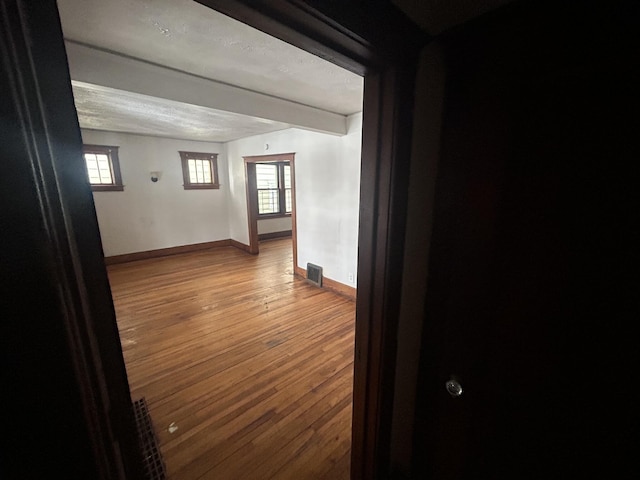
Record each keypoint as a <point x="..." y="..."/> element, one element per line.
<point x="103" y="168"/>
<point x="199" y="170"/>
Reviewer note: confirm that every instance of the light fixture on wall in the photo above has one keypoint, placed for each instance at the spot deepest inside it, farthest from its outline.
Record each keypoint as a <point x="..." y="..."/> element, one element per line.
<point x="155" y="176"/>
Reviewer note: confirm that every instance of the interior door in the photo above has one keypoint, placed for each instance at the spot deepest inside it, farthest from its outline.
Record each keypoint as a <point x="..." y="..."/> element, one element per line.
<point x="529" y="308"/>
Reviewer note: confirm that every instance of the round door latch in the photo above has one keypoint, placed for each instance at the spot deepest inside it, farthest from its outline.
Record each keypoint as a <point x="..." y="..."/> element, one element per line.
<point x="453" y="387"/>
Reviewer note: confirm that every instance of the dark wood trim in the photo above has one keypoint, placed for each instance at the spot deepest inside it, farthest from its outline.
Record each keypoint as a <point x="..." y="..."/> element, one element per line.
<point x="252" y="206"/>
<point x="272" y="235"/>
<point x="362" y="37"/>
<point x="330" y="284"/>
<point x="271" y="158"/>
<point x="267" y="216"/>
<point x="107" y="188"/>
<point x="164" y="252"/>
<point x="282" y="202"/>
<point x="371" y="38"/>
<point x="252" y="198"/>
<point x="68" y="388"/>
<point x="204" y="186"/>
<point x="114" y="160"/>
<point x="241" y="246"/>
<point x="212" y="158"/>
<point x="383" y="200"/>
<point x="339" y="288"/>
<point x="374" y="39"/>
<point x="294" y="216"/>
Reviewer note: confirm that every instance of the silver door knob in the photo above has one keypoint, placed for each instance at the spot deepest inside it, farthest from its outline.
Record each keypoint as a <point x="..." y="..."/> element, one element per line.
<point x="453" y="387"/>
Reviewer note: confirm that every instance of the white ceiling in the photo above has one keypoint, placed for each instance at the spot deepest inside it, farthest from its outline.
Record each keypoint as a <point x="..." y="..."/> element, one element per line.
<point x="186" y="36"/>
<point x="104" y="108"/>
<point x="257" y="83"/>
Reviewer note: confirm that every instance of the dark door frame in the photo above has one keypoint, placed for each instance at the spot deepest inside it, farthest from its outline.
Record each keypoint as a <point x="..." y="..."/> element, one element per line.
<point x="369" y="38"/>
<point x="252" y="198"/>
<point x="42" y="163"/>
<point x="377" y="41"/>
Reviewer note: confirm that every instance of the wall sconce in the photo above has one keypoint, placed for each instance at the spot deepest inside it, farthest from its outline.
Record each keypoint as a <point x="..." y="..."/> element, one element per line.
<point x="155" y="176"/>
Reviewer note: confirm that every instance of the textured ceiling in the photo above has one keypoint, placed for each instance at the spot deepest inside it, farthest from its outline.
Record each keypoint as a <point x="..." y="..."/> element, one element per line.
<point x="103" y="108"/>
<point x="187" y="36"/>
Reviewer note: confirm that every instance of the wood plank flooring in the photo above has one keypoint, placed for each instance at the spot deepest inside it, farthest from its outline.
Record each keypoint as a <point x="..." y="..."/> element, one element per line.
<point x="254" y="366"/>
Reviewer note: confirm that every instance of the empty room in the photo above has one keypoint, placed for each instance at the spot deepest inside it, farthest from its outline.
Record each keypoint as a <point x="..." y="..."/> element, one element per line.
<point x="179" y="271"/>
<point x="225" y="169"/>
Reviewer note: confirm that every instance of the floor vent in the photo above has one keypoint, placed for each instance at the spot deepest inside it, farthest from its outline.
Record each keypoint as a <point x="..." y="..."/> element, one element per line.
<point x="314" y="274"/>
<point x="152" y="458"/>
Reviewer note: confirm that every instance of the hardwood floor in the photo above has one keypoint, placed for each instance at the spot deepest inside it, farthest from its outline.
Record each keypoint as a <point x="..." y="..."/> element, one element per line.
<point x="254" y="366"/>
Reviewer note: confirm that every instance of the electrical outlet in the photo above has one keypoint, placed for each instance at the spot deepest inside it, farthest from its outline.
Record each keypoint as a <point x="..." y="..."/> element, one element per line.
<point x="350" y="277"/>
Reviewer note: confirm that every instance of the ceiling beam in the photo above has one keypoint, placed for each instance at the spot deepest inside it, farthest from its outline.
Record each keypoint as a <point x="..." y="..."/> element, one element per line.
<point x="99" y="67"/>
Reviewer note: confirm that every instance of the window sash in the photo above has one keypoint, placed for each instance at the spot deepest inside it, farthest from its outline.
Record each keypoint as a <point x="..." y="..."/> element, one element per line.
<point x="199" y="170"/>
<point x="268" y="201"/>
<point x="267" y="176"/>
<point x="99" y="168"/>
<point x="273" y="185"/>
<point x="288" y="204"/>
<point x="103" y="167"/>
<point x="287" y="176"/>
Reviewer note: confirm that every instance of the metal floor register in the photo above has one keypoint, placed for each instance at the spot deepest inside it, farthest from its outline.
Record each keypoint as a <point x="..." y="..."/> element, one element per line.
<point x="152" y="458"/>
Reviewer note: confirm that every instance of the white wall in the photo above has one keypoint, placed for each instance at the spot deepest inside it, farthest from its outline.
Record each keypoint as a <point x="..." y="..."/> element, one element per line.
<point x="272" y="225"/>
<point x="147" y="215"/>
<point x="327" y="170"/>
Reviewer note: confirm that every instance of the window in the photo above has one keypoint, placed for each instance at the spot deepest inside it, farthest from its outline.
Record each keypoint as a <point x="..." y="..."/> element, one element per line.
<point x="273" y="181"/>
<point x="199" y="170"/>
<point x="103" y="168"/>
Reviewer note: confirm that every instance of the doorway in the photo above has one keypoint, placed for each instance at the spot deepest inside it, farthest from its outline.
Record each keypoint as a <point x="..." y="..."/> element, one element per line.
<point x="276" y="197"/>
<point x="70" y="209"/>
<point x="174" y="412"/>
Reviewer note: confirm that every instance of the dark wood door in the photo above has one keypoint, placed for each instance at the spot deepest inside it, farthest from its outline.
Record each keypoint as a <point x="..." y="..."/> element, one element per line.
<point x="528" y="304"/>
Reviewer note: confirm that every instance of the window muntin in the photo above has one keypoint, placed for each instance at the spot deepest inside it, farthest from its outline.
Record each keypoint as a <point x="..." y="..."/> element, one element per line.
<point x="273" y="183"/>
<point x="287" y="187"/>
<point x="268" y="191"/>
<point x="103" y="168"/>
<point x="199" y="170"/>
